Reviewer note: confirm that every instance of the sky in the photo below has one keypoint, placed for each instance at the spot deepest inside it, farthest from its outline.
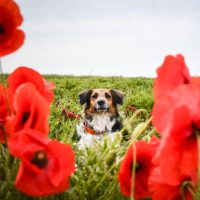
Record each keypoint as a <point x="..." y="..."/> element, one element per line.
<point x="107" y="37"/>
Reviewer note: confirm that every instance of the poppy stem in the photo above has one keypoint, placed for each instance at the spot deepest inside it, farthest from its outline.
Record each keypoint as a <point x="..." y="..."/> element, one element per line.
<point x="106" y="174"/>
<point x="2" y="77"/>
<point x="2" y="128"/>
<point x="133" y="172"/>
<point x="1" y="73"/>
<point x="137" y="113"/>
<point x="187" y="186"/>
<point x="2" y="80"/>
<point x="109" y="189"/>
<point x="197" y="195"/>
<point x="132" y="119"/>
<point x="0" y="66"/>
<point x="140" y="129"/>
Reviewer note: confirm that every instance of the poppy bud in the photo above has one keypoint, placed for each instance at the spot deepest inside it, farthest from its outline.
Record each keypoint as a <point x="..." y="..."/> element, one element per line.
<point x="63" y="111"/>
<point x="110" y="158"/>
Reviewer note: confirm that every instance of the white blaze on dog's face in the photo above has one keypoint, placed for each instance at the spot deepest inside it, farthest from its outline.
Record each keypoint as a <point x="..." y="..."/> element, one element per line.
<point x="101" y="100"/>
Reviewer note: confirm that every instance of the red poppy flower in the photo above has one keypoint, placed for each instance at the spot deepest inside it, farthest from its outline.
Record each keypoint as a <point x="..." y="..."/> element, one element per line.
<point x="30" y="110"/>
<point x="160" y="190"/>
<point x="176" y="117"/>
<point x="11" y="38"/>
<point x="144" y="152"/>
<point x="3" y="112"/>
<point x="195" y="80"/>
<point x="71" y="115"/>
<point x="177" y="154"/>
<point x="171" y="74"/>
<point x="23" y="75"/>
<point x="163" y="110"/>
<point x="45" y="165"/>
<point x="176" y="158"/>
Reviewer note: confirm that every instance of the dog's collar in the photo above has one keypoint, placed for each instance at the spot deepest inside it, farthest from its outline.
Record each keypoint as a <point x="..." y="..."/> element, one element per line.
<point x="91" y="131"/>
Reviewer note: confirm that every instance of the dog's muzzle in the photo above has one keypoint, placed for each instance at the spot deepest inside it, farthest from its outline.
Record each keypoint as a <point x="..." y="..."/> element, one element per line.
<point x="101" y="106"/>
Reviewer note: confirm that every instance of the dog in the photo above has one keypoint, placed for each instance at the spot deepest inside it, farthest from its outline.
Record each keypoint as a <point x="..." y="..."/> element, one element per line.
<point x="100" y="116"/>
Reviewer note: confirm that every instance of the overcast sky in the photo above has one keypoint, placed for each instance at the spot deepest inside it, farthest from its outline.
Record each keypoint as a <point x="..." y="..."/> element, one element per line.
<point x="107" y="37"/>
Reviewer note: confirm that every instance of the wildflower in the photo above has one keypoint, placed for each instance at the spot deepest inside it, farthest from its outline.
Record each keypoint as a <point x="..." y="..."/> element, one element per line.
<point x="173" y="80"/>
<point x="71" y="115"/>
<point x="177" y="155"/>
<point x="23" y="75"/>
<point x="171" y="74"/>
<point x="30" y="110"/>
<point x="176" y="117"/>
<point x="45" y="165"/>
<point x="143" y="167"/>
<point x="3" y="112"/>
<point x="161" y="190"/>
<point x="11" y="38"/>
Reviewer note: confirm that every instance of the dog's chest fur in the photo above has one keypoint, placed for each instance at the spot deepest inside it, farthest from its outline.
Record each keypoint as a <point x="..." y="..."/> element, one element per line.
<point x="102" y="122"/>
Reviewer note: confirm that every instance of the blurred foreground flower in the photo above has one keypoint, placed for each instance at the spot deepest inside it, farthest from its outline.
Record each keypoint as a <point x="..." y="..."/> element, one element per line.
<point x="11" y="38"/>
<point x="30" y="110"/>
<point x="3" y="112"/>
<point x="134" y="179"/>
<point x="25" y="74"/>
<point x="176" y="117"/>
<point x="45" y="165"/>
<point x="25" y="104"/>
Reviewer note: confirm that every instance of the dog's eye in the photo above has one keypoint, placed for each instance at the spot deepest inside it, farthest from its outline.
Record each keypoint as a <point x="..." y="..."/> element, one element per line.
<point x="108" y="96"/>
<point x="94" y="96"/>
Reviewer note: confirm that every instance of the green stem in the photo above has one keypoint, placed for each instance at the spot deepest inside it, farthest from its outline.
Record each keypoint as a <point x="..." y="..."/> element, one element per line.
<point x="132" y="118"/>
<point x="4" y="134"/>
<point x="108" y="190"/>
<point x="142" y="129"/>
<point x="137" y="113"/>
<point x="152" y="132"/>
<point x="2" y="80"/>
<point x="106" y="174"/>
<point x="187" y="186"/>
<point x="133" y="171"/>
<point x="197" y="195"/>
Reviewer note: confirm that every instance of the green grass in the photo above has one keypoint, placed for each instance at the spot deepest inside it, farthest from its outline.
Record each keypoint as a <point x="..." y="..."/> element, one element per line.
<point x="97" y="167"/>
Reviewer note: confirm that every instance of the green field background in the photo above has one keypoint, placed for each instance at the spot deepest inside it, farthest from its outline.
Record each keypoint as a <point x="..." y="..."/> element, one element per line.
<point x="96" y="167"/>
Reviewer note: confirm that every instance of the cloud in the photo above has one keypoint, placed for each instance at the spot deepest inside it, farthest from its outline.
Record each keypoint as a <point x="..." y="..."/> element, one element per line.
<point x="128" y="38"/>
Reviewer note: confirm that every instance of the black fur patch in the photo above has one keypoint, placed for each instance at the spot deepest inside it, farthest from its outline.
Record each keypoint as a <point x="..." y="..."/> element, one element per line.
<point x="88" y="117"/>
<point x="117" y="126"/>
<point x="84" y="97"/>
<point x="118" y="96"/>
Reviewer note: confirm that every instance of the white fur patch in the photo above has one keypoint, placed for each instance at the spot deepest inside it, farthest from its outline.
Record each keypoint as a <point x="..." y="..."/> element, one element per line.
<point x="102" y="123"/>
<point x="88" y="140"/>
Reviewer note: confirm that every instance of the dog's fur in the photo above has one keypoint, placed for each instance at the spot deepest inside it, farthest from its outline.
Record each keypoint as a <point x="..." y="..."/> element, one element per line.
<point x="100" y="112"/>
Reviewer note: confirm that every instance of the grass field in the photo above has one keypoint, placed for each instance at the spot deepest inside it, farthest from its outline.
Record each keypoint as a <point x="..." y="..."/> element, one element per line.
<point x="97" y="167"/>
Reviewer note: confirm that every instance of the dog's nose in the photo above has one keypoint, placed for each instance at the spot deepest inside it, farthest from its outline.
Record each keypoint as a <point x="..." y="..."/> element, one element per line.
<point x="101" y="102"/>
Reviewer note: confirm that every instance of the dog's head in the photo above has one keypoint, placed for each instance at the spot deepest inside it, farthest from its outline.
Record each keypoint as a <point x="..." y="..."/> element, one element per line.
<point x="101" y="100"/>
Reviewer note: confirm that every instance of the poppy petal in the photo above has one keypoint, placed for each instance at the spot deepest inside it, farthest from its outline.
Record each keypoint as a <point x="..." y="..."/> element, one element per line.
<point x="30" y="110"/>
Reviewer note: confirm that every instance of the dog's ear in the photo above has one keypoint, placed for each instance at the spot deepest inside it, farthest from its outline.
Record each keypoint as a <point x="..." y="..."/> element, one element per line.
<point x="118" y="96"/>
<point x="84" y="96"/>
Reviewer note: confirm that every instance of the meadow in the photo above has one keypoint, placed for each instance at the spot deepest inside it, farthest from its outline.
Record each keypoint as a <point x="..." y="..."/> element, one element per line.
<point x="97" y="167"/>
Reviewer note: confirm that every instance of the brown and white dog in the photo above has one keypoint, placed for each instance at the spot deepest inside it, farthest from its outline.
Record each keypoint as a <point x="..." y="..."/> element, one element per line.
<point x="101" y="114"/>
